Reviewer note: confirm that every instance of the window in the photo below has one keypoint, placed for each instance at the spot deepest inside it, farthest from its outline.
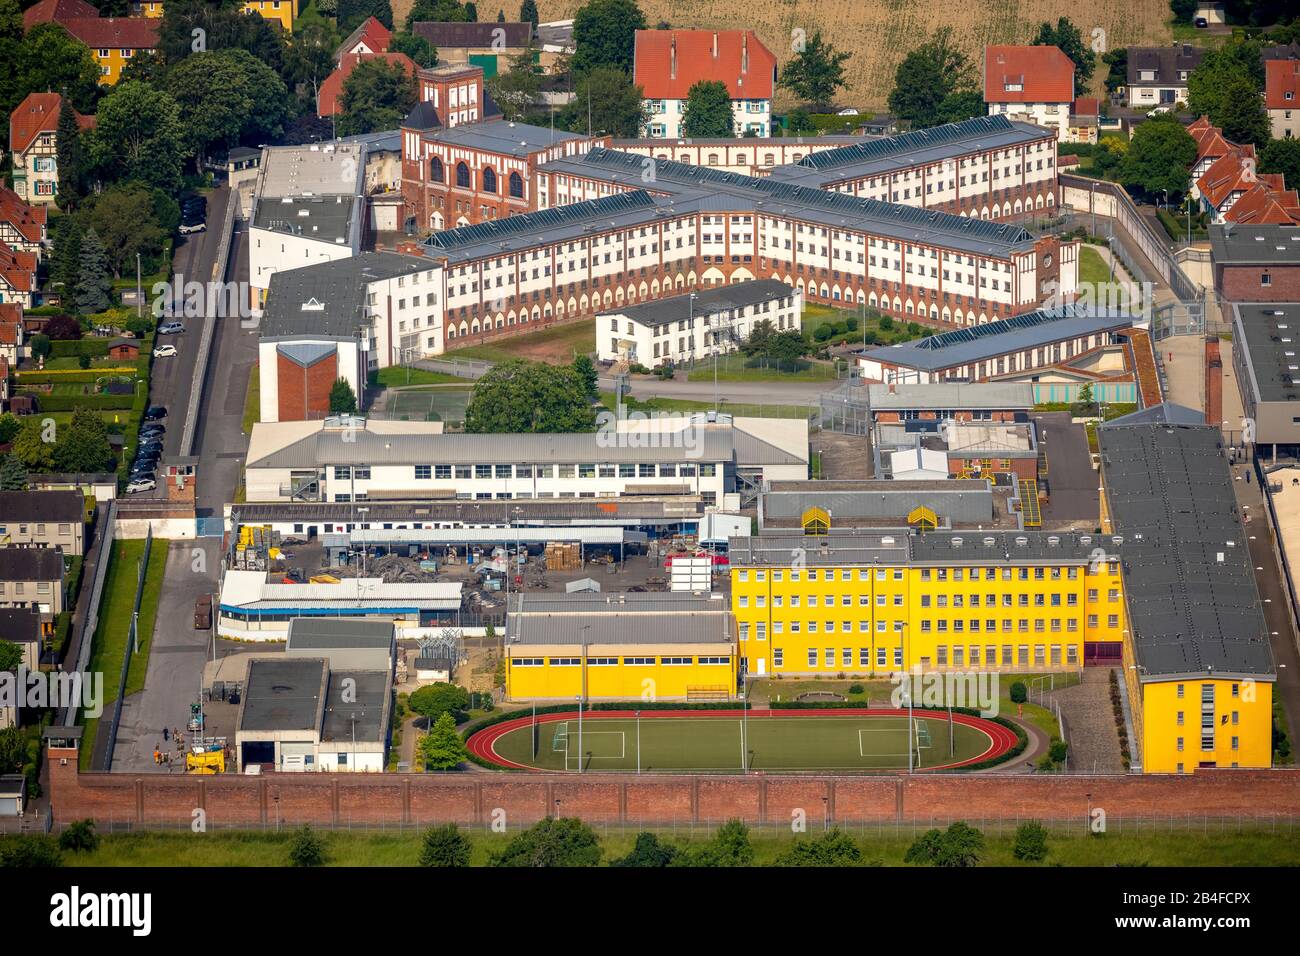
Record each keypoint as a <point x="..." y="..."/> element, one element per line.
<point x="423" y="472"/>
<point x="436" y="173"/>
<point x="462" y="175"/>
<point x="489" y="180"/>
<point x="516" y="186"/>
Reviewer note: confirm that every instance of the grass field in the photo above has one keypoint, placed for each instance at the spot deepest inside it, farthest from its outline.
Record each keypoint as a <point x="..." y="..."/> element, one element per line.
<point x="427" y="404"/>
<point x="741" y="368"/>
<point x="252" y="401"/>
<point x="557" y="345"/>
<point x="1186" y="844"/>
<point x="398" y="376"/>
<point x="114" y="626"/>
<point x="662" y="743"/>
<point x="692" y="405"/>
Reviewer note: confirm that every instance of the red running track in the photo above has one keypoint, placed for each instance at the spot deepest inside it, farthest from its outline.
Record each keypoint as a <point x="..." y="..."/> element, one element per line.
<point x="483" y="743"/>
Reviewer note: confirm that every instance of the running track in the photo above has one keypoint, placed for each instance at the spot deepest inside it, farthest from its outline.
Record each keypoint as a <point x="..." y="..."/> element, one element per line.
<point x="483" y="743"/>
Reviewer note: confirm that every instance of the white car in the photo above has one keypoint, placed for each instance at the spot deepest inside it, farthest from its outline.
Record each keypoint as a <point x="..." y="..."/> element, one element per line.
<point x="164" y="351"/>
<point x="141" y="484"/>
<point x="1159" y="110"/>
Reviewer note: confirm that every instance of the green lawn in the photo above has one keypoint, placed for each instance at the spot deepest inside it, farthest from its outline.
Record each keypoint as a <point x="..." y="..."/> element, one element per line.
<point x="691" y="405"/>
<point x="115" y="609"/>
<point x="252" y="401"/>
<point x="741" y="368"/>
<point x="398" y="376"/>
<point x="821" y="742"/>
<point x="883" y="844"/>
<point x="558" y="344"/>
<point x="891" y="332"/>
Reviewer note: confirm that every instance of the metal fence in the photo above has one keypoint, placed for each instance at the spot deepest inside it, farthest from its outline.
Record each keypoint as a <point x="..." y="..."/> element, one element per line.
<point x="462" y="368"/>
<point x="132" y="642"/>
<point x="846" y="410"/>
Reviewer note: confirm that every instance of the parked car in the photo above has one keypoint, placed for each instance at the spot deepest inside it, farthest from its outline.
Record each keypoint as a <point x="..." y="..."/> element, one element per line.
<point x="187" y="228"/>
<point x="1201" y="23"/>
<point x="155" y="413"/>
<point x="1160" y="110"/>
<point x="203" y="612"/>
<point x="153" y="428"/>
<point x="171" y="328"/>
<point x="164" y="351"/>
<point x="141" y="484"/>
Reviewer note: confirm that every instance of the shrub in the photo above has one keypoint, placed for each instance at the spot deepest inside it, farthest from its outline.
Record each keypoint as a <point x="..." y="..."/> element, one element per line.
<point x="856" y="688"/>
<point x="432" y="700"/>
<point x="565" y="842"/>
<point x="306" y="849"/>
<point x="79" y="836"/>
<point x="1058" y="751"/>
<point x="648" y="852"/>
<point x="30" y="851"/>
<point x="1030" y="844"/>
<point x="961" y="845"/>
<point x="1018" y="693"/>
<point x="444" y="846"/>
<point x="834" y="848"/>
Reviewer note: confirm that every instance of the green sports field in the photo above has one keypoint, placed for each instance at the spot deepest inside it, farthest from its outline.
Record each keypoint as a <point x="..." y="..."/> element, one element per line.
<point x="774" y="743"/>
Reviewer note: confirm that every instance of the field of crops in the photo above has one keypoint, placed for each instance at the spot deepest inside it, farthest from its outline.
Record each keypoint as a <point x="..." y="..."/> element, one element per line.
<point x="879" y="33"/>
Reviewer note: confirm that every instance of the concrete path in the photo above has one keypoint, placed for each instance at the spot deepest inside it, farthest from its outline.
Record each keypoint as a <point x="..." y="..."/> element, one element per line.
<point x="1090" y="723"/>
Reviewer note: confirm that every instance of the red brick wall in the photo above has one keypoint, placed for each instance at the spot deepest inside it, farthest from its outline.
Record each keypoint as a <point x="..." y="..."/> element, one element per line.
<point x="1213" y="382"/>
<point x="341" y="799"/>
<point x="304" y="393"/>
<point x="1242" y="283"/>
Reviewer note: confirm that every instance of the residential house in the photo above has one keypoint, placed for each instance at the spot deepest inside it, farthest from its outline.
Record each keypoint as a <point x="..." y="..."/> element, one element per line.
<point x="490" y="46"/>
<point x="329" y="99"/>
<point x="1228" y="186"/>
<point x="1085" y="116"/>
<point x="33" y="142"/>
<point x="370" y="37"/>
<point x="21" y="626"/>
<point x="1157" y="75"/>
<point x="17" y="276"/>
<point x="1282" y="97"/>
<point x="33" y="578"/>
<point x="12" y="334"/>
<point x="113" y="41"/>
<point x="1034" y="84"/>
<point x="22" y="227"/>
<point x="282" y="12"/>
<point x="667" y="63"/>
<point x="44" y="519"/>
<point x="56" y="11"/>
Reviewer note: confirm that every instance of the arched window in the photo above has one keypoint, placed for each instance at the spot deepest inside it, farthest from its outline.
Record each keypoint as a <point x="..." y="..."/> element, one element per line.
<point x="517" y="185"/>
<point x="436" y="173"/>
<point x="489" y="180"/>
<point x="462" y="175"/>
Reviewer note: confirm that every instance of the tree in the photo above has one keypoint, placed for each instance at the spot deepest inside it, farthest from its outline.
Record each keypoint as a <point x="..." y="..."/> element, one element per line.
<point x="834" y="848"/>
<point x="1117" y="69"/>
<point x="421" y="51"/>
<point x="130" y="218"/>
<point x="516" y="89"/>
<point x="10" y="425"/>
<point x="65" y="260"/>
<point x="1209" y="84"/>
<point x="226" y="97"/>
<point x="648" y="851"/>
<point x="31" y="447"/>
<point x="586" y="371"/>
<point x="961" y="845"/>
<point x="816" y="73"/>
<point x="13" y="476"/>
<point x="434" y="700"/>
<point x="520" y="396"/>
<point x="613" y="103"/>
<point x="93" y="281"/>
<point x="565" y="842"/>
<point x="138" y="135"/>
<point x="438" y="11"/>
<point x="148" y="67"/>
<point x="39" y="345"/>
<point x="471" y="13"/>
<point x="707" y="114"/>
<point x="604" y="34"/>
<point x="1159" y="157"/>
<point x="63" y="328"/>
<point x="83" y="446"/>
<point x="352" y="13"/>
<point x="309" y="56"/>
<point x="30" y="851"/>
<point x="1242" y="116"/>
<point x="11" y="655"/>
<point x="442" y="747"/>
<point x="79" y="837"/>
<point x="444" y="846"/>
<point x="46" y="59"/>
<point x="343" y="401"/>
<point x="960" y="105"/>
<point x="1018" y="693"/>
<point x="729" y="847"/>
<point x="306" y="848"/>
<point x="1282" y="156"/>
<point x="11" y="20"/>
<point x="377" y="95"/>
<point x="197" y="26"/>
<point x="528" y="13"/>
<point x="1183" y="10"/>
<point x="1067" y="38"/>
<point x="798" y="122"/>
<point x="1030" y="845"/>
<point x="69" y="156"/>
<point x="13" y="750"/>
<point x="927" y="76"/>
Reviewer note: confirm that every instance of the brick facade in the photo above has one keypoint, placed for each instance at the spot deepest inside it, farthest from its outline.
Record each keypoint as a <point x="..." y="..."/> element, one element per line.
<point x="1245" y="283"/>
<point x="304" y="392"/>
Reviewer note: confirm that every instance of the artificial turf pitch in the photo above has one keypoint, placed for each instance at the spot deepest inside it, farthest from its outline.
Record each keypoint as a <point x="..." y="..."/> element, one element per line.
<point x="718" y="744"/>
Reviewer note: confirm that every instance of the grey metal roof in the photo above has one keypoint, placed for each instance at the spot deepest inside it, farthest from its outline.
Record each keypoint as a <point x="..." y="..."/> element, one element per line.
<point x="839" y="549"/>
<point x="981" y="342"/>
<point x="909" y="150"/>
<point x="1270" y="334"/>
<point x="895" y="548"/>
<point x="20" y="625"/>
<point x="49" y="506"/>
<point x="363" y="447"/>
<point x="1166" y="413"/>
<point x="584" y="511"/>
<point x="283" y="694"/>
<point x="959" y="501"/>
<point x="502" y="136"/>
<point x="700" y="305"/>
<point x="362" y="713"/>
<point x="339" y="632"/>
<point x="951" y="396"/>
<point x="31" y="564"/>
<point x="622" y="602"/>
<point x="323" y="218"/>
<point x="305" y="353"/>
<point x="329" y="299"/>
<point x="1266" y="245"/>
<point x="612" y="618"/>
<point x="454" y="34"/>
<point x="1193" y="604"/>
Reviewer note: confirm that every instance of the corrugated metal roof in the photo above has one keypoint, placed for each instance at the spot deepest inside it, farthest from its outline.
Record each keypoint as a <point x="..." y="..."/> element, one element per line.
<point x="951" y="396"/>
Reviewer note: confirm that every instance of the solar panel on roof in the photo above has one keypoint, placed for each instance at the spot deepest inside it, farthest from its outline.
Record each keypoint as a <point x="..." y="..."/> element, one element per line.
<point x="905" y="142"/>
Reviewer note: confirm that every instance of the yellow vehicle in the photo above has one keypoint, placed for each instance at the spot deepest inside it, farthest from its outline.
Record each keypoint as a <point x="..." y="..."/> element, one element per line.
<point x="212" y="761"/>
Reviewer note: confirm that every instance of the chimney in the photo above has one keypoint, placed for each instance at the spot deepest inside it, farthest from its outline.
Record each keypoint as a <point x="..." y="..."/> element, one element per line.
<point x="715" y="44"/>
<point x="672" y="57"/>
<point x="744" y="53"/>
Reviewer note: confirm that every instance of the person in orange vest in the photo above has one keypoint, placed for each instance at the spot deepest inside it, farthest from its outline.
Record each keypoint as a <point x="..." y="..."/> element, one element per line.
<point x="157" y="756"/>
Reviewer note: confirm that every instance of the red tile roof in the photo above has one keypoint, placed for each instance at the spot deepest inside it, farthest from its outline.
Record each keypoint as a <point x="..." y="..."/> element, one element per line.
<point x="1086" y="106"/>
<point x="668" y="63"/>
<point x="38" y="113"/>
<point x="1280" y="78"/>
<point x="29" y="221"/>
<point x="330" y="98"/>
<point x="11" y="320"/>
<point x="1264" y="205"/>
<point x="56" y="11"/>
<point x="1226" y="175"/>
<point x="18" y="268"/>
<point x="374" y="34"/>
<point x="114" y="33"/>
<point x="1043" y="74"/>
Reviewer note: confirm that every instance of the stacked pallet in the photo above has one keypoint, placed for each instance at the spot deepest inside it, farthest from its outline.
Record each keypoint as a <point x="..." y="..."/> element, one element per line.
<point x="563" y="556"/>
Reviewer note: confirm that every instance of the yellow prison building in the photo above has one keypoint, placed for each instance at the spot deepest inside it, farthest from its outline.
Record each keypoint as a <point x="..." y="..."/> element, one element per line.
<point x="1198" y="668"/>
<point x="615" y="646"/>
<point x="874" y="603"/>
<point x="282" y="11"/>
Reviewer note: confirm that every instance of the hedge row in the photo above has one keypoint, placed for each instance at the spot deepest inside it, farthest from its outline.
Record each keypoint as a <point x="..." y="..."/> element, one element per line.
<point x="94" y="348"/>
<point x="75" y="376"/>
<point x="70" y="403"/>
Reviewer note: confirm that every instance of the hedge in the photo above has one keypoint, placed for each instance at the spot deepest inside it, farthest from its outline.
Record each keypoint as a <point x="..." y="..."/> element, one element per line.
<point x="70" y="403"/>
<point x="93" y="348"/>
<point x="75" y="376"/>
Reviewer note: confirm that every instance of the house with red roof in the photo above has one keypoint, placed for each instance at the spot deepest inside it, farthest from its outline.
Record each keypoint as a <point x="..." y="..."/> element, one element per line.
<point x="33" y="144"/>
<point x="113" y="41"/>
<point x="1085" y="119"/>
<point x="1228" y="185"/>
<point x="56" y="11"/>
<point x="1282" y="97"/>
<point x="329" y="99"/>
<point x="11" y="332"/>
<point x="1034" y="84"/>
<point x="17" y="276"/>
<point x="667" y="63"/>
<point x="22" y="226"/>
<point x="370" y="37"/>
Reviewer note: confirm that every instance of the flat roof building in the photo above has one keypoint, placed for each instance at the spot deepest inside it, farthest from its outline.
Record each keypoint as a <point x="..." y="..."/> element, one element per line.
<point x="1256" y="263"/>
<point x="1266" y="362"/>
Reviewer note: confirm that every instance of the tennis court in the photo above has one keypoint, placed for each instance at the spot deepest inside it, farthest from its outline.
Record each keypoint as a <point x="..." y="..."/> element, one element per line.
<point x="727" y="741"/>
<point x="427" y="404"/>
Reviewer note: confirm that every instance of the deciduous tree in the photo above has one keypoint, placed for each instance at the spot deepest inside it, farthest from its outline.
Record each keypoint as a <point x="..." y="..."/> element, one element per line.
<point x="816" y="73"/>
<point x="521" y="396"/>
<point x="377" y="95"/>
<point x="604" y="34"/>
<point x="708" y="111"/>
